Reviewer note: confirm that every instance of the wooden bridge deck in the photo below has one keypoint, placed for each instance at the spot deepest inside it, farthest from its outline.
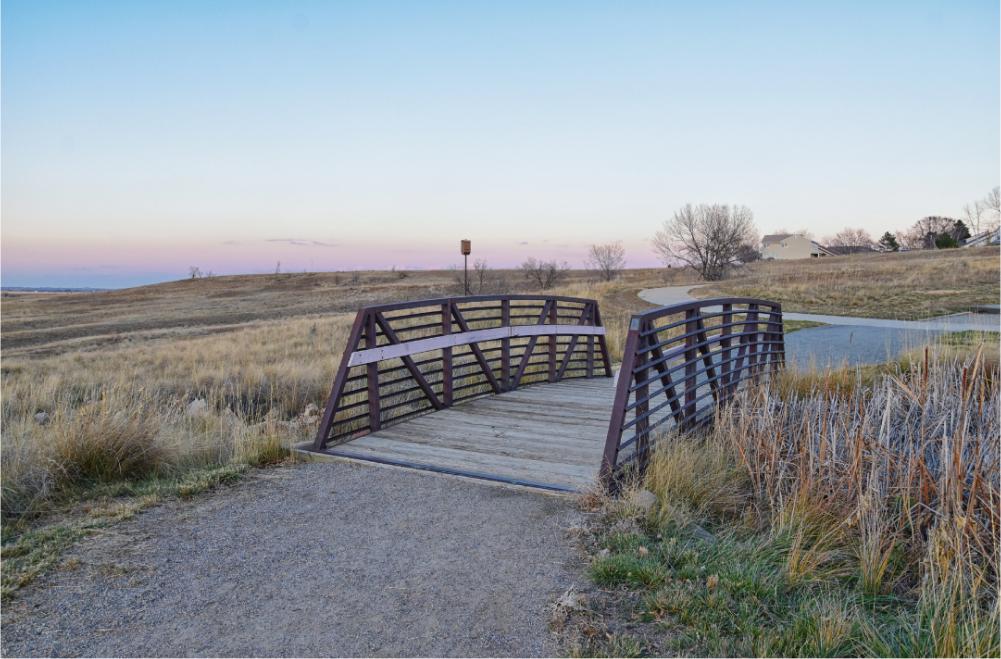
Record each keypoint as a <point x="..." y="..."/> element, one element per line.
<point x="544" y="435"/>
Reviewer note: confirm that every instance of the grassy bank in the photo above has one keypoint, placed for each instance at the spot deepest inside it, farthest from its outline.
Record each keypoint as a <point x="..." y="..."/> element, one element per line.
<point x="94" y="421"/>
<point x="904" y="286"/>
<point x="813" y="520"/>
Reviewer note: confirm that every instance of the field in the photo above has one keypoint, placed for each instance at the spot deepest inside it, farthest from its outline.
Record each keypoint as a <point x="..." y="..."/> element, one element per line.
<point x="112" y="401"/>
<point x="903" y="286"/>
<point x="833" y="514"/>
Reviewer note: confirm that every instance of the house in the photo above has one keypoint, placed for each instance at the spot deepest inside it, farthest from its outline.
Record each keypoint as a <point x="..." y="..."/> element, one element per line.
<point x="845" y="250"/>
<point x="984" y="239"/>
<point x="791" y="246"/>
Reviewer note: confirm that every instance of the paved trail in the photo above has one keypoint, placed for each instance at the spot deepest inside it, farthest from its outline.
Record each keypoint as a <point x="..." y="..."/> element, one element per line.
<point x="317" y="559"/>
<point x="849" y="340"/>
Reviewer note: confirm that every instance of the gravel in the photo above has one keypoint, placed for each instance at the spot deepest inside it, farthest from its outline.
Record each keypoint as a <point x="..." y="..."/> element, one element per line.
<point x="315" y="559"/>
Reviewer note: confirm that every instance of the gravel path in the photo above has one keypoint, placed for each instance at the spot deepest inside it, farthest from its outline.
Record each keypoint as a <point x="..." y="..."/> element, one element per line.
<point x="315" y="559"/>
<point x="953" y="323"/>
<point x="849" y="340"/>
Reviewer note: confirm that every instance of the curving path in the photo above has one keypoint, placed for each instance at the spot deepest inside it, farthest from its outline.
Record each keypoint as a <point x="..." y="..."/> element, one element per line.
<point x="849" y="340"/>
<point x="324" y="559"/>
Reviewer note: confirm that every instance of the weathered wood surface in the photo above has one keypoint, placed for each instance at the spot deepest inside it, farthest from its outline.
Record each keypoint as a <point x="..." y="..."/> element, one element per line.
<point x="548" y="434"/>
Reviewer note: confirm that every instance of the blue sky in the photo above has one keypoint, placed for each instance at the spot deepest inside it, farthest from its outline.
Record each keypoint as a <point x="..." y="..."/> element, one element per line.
<point x="143" y="137"/>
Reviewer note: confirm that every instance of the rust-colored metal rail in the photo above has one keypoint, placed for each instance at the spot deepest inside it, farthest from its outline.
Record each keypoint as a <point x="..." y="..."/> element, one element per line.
<point x="410" y="358"/>
<point x="679" y="364"/>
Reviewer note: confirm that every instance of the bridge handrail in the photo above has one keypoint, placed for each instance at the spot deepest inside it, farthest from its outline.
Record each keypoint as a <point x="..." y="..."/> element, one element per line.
<point x="684" y="355"/>
<point x="371" y="391"/>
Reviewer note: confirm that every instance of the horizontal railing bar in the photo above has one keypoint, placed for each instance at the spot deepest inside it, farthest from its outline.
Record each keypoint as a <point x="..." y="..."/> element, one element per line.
<point x="708" y="381"/>
<point x="713" y="302"/>
<point x="416" y="346"/>
<point x="763" y="317"/>
<point x="418" y="314"/>
<point x="688" y="404"/>
<point x="699" y="359"/>
<point x="681" y="350"/>
<point x="542" y="299"/>
<point x="709" y="339"/>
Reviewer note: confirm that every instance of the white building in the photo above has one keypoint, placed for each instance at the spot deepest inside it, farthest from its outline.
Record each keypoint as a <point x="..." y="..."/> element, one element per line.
<point x="791" y="246"/>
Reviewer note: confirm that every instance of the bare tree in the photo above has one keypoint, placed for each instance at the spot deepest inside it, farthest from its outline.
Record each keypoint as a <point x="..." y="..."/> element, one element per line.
<point x="993" y="200"/>
<point x="481" y="275"/>
<point x="850" y="238"/>
<point x="748" y="253"/>
<point x="544" y="274"/>
<point x="482" y="280"/>
<point x="989" y="208"/>
<point x="194" y="272"/>
<point x="608" y="260"/>
<point x="975" y="214"/>
<point x="707" y="237"/>
<point x="926" y="232"/>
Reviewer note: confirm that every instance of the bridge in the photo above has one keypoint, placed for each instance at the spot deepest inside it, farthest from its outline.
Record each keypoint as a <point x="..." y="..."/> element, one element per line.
<point x="521" y="388"/>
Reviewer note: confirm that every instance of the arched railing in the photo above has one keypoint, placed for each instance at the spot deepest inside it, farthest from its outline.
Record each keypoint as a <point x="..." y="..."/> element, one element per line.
<point x="410" y="358"/>
<point x="679" y="364"/>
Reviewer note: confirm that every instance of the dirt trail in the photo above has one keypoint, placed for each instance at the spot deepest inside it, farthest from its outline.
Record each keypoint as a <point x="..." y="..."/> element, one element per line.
<point x="315" y="559"/>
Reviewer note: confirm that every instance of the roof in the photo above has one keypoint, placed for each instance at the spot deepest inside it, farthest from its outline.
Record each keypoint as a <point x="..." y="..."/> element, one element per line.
<point x="841" y="250"/>
<point x="773" y="238"/>
<point x="985" y="238"/>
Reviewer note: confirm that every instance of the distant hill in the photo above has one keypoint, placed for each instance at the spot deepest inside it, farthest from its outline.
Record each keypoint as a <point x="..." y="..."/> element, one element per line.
<point x="50" y="289"/>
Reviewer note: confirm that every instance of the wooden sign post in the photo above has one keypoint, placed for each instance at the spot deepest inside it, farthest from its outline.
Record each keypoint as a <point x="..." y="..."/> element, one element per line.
<point x="465" y="247"/>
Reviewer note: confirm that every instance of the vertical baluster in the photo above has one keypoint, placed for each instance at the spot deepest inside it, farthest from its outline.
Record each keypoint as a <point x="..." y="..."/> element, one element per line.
<point x="553" y="319"/>
<point x="590" y="340"/>
<point x="374" y="421"/>
<point x="780" y="337"/>
<point x="691" y="381"/>
<point x="724" y="342"/>
<point x="446" y="355"/>
<point x="642" y="399"/>
<point x="505" y="346"/>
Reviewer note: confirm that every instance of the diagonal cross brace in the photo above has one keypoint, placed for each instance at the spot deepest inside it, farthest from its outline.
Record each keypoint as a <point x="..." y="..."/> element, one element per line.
<point x="408" y="361"/>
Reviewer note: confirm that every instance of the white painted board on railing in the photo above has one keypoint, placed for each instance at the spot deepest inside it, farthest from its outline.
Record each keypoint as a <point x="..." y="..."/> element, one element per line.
<point x="370" y="355"/>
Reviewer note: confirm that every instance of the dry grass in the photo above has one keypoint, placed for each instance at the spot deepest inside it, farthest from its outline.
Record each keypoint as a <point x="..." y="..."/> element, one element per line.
<point x="118" y="406"/>
<point x="906" y="286"/>
<point x="842" y="520"/>
<point x="122" y="413"/>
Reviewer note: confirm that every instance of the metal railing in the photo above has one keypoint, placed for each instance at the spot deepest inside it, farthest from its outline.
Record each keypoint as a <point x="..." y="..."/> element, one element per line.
<point x="410" y="358"/>
<point x="679" y="364"/>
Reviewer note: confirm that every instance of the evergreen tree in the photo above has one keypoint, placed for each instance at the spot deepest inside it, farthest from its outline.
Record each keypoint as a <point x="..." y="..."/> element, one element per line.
<point x="960" y="232"/>
<point x="889" y="242"/>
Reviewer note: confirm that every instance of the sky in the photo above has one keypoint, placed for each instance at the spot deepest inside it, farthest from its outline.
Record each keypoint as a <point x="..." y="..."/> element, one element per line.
<point x="141" y="138"/>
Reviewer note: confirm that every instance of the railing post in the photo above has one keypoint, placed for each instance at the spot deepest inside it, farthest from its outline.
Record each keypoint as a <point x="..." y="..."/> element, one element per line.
<point x="691" y="381"/>
<point x="553" y="318"/>
<point x="610" y="457"/>
<point x="606" y="362"/>
<point x="780" y="336"/>
<point x="726" y="352"/>
<point x="754" y="354"/>
<point x="374" y="421"/>
<point x="642" y="400"/>
<point x="590" y="339"/>
<point x="506" y="345"/>
<point x="446" y="355"/>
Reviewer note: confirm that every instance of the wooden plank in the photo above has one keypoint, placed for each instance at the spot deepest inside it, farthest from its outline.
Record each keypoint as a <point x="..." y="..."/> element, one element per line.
<point x="539" y="470"/>
<point x="547" y="434"/>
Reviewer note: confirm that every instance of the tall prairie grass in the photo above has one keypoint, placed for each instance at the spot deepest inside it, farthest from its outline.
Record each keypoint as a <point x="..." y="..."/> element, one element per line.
<point x="161" y="408"/>
<point x="884" y="495"/>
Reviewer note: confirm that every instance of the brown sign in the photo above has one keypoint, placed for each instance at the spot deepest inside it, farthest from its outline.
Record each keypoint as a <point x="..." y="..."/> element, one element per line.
<point x="466" y="247"/>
